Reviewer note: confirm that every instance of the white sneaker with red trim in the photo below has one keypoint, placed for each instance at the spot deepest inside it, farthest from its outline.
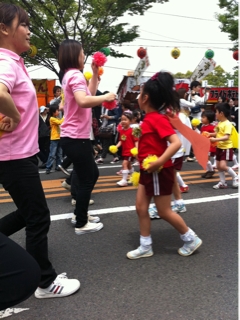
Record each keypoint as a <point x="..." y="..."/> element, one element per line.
<point x="61" y="287"/>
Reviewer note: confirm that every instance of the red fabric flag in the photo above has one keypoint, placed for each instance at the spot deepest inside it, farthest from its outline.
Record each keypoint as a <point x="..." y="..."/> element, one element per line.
<point x="200" y="144"/>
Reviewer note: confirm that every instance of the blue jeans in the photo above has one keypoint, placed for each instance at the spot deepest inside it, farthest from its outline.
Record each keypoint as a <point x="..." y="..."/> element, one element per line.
<point x="54" y="154"/>
<point x="86" y="173"/>
<point x="21" y="179"/>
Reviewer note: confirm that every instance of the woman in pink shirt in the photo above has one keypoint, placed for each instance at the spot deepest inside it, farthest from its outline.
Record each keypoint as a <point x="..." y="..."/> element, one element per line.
<point x="79" y="98"/>
<point x="18" y="162"/>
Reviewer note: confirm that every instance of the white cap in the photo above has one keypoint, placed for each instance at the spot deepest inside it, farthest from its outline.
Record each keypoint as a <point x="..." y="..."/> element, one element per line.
<point x="42" y="108"/>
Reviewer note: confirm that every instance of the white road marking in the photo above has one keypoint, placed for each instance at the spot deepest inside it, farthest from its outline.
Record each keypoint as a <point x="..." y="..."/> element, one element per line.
<point x="133" y="208"/>
<point x="99" y="167"/>
<point x="10" y="311"/>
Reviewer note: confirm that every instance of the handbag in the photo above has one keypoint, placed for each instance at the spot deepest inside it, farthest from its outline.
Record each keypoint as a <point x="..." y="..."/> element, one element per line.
<point x="106" y="131"/>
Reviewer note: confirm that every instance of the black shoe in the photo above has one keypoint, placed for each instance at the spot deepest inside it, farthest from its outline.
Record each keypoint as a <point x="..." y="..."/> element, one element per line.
<point x="60" y="168"/>
<point x="47" y="171"/>
<point x="42" y="166"/>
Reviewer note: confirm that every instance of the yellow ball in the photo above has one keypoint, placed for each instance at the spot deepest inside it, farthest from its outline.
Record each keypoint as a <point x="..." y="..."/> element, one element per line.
<point x="175" y="53"/>
<point x="134" y="152"/>
<point x="88" y="75"/>
<point x="32" y="51"/>
<point x="113" y="149"/>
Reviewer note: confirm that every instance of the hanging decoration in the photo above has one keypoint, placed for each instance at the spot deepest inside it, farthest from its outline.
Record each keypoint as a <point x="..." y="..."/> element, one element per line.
<point x="141" y="53"/>
<point x="105" y="51"/>
<point x="209" y="54"/>
<point x="32" y="51"/>
<point x="235" y="55"/>
<point x="175" y="53"/>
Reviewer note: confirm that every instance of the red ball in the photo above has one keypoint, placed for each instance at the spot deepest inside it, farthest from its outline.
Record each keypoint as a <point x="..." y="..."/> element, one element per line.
<point x="141" y="52"/>
<point x="235" y="55"/>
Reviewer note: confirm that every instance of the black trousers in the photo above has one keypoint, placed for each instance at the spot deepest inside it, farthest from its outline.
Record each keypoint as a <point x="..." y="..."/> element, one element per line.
<point x="80" y="152"/>
<point x="21" y="179"/>
<point x="19" y="273"/>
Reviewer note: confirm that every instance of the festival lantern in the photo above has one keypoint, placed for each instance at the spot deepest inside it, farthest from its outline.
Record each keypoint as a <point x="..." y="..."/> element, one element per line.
<point x="32" y="51"/>
<point x="175" y="53"/>
<point x="141" y="53"/>
<point x="235" y="55"/>
<point x="209" y="54"/>
<point x="105" y="51"/>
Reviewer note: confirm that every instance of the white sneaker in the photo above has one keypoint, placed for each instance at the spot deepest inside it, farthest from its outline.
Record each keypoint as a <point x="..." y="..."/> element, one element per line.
<point x="73" y="202"/>
<point x="93" y="219"/>
<point x="220" y="185"/>
<point x="89" y="227"/>
<point x="235" y="167"/>
<point x="119" y="173"/>
<point x="122" y="183"/>
<point x="61" y="287"/>
<point x="139" y="253"/>
<point x="235" y="183"/>
<point x="67" y="186"/>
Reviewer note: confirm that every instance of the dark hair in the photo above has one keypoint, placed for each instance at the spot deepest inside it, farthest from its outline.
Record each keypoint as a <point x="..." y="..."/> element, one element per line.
<point x="181" y="92"/>
<point x="53" y="108"/>
<point x="136" y="114"/>
<point x="55" y="88"/>
<point x="126" y="104"/>
<point x="194" y="84"/>
<point x="224" y="108"/>
<point x="128" y="115"/>
<point x="8" y="12"/>
<point x="223" y="99"/>
<point x="68" y="54"/>
<point x="209" y="114"/>
<point x="160" y="90"/>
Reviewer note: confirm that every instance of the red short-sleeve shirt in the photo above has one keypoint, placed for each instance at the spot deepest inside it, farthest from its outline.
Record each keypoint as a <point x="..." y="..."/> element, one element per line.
<point x="128" y="141"/>
<point x="154" y="129"/>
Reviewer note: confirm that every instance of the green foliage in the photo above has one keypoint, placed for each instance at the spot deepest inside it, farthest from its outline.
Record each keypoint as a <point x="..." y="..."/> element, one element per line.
<point x="229" y="20"/>
<point x="217" y="78"/>
<point x="92" y="22"/>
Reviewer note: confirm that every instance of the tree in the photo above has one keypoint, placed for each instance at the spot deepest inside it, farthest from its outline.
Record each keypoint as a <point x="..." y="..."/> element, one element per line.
<point x="92" y="22"/>
<point x="180" y="75"/>
<point x="217" y="77"/>
<point x="229" y="20"/>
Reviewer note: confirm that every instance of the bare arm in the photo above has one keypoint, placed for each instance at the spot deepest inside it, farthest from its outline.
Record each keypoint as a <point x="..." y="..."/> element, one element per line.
<point x="224" y="138"/>
<point x="7" y="106"/>
<point x="94" y="80"/>
<point x="85" y="101"/>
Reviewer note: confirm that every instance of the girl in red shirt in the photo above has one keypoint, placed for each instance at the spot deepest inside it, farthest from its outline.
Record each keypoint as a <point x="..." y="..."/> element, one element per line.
<point x="157" y="97"/>
<point x="127" y="141"/>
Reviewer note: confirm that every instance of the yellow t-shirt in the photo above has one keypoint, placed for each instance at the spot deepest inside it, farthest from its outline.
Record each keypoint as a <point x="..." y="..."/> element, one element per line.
<point x="55" y="128"/>
<point x="223" y="128"/>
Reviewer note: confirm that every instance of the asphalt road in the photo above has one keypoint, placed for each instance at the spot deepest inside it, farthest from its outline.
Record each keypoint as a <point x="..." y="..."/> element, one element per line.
<point x="165" y="286"/>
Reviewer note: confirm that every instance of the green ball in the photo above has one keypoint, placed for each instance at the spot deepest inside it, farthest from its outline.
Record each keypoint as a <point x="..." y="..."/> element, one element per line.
<point x="209" y="54"/>
<point x="105" y="51"/>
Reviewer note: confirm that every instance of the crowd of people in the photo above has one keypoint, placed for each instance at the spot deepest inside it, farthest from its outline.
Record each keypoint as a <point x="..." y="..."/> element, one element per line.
<point x="25" y="129"/>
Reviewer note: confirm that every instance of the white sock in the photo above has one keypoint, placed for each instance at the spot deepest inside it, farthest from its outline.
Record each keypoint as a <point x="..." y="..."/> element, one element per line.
<point x="214" y="162"/>
<point x="235" y="160"/>
<point x="222" y="176"/>
<point x="209" y="166"/>
<point x="146" y="242"/>
<point x="179" y="202"/>
<point x="180" y="180"/>
<point x="125" y="174"/>
<point x="231" y="172"/>
<point x="188" y="236"/>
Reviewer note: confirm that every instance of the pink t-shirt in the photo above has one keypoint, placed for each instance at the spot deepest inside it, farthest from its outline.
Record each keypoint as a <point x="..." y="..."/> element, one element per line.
<point x="77" y="123"/>
<point x="23" y="141"/>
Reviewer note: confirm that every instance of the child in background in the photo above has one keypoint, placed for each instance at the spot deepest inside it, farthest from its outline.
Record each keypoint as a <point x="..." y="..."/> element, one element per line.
<point x="208" y="125"/>
<point x="55" y="149"/>
<point x="127" y="141"/>
<point x="136" y="122"/>
<point x="157" y="97"/>
<point x="224" y="151"/>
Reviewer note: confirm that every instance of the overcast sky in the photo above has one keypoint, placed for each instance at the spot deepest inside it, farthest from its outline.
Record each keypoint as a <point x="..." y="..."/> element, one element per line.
<point x="189" y="25"/>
